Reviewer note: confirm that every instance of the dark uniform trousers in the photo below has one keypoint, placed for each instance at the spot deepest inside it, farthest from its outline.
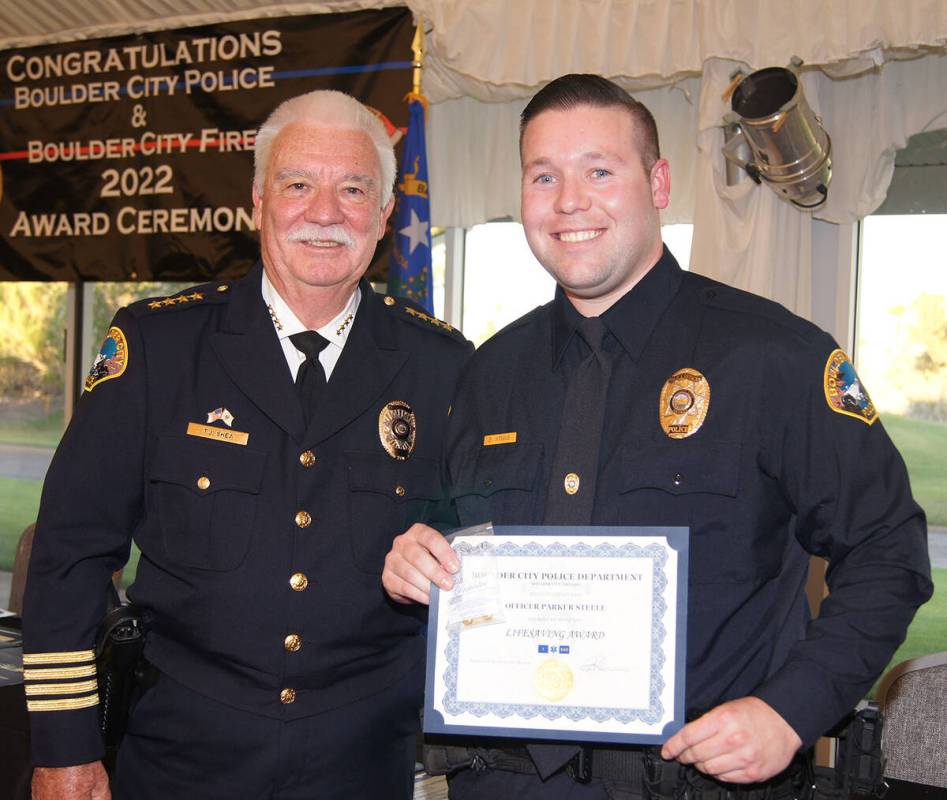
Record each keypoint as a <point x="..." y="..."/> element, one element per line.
<point x="263" y="541"/>
<point x="185" y="745"/>
<point x="767" y="464"/>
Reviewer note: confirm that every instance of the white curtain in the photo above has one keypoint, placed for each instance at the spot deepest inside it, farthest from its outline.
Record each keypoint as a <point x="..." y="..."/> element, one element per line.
<point x="875" y="70"/>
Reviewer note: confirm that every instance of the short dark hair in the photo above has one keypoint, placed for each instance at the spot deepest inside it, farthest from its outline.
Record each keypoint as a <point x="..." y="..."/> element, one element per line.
<point x="570" y="91"/>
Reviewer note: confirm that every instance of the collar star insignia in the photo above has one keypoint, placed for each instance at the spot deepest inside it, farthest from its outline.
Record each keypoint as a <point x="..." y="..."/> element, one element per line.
<point x="276" y="321"/>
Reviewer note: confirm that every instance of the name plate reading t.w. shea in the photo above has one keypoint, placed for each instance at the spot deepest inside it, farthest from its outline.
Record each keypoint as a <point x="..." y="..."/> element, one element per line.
<point x="217" y="434"/>
<point x="588" y="645"/>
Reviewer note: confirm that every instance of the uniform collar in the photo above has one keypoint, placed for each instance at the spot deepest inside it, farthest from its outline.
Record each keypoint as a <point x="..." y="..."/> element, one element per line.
<point x="286" y="323"/>
<point x="631" y="319"/>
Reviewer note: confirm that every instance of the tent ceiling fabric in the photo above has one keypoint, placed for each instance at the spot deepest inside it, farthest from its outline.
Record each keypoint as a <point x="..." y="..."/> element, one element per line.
<point x="477" y="48"/>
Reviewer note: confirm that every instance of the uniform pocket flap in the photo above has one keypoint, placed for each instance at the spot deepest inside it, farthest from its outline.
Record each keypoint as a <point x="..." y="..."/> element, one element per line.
<point x="412" y="479"/>
<point x="682" y="467"/>
<point x="498" y="467"/>
<point x="206" y="467"/>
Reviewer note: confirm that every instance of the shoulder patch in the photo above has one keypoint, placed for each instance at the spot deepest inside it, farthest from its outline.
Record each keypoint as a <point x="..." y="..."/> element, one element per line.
<point x="111" y="360"/>
<point x="844" y="391"/>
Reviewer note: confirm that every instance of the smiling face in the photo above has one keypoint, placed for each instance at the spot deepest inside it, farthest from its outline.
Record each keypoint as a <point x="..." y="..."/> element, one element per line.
<point x="319" y="214"/>
<point x="589" y="207"/>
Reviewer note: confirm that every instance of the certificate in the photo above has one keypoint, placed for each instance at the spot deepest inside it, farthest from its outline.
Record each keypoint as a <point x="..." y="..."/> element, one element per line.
<point x="586" y="641"/>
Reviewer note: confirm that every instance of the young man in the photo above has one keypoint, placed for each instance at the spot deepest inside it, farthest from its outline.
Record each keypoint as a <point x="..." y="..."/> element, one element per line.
<point x="263" y="510"/>
<point x="714" y="409"/>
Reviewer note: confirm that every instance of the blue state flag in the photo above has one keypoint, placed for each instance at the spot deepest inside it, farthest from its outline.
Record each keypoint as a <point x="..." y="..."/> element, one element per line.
<point x="409" y="273"/>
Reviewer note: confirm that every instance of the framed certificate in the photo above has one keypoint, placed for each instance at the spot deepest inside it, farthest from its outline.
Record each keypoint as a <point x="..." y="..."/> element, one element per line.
<point x="574" y="634"/>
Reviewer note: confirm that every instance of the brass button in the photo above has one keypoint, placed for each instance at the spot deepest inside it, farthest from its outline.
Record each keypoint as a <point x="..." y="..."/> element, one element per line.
<point x="399" y="490"/>
<point x="293" y="642"/>
<point x="298" y="582"/>
<point x="203" y="483"/>
<point x="287" y="696"/>
<point x="307" y="458"/>
<point x="303" y="520"/>
<point x="223" y="287"/>
<point x="389" y="301"/>
<point x="571" y="483"/>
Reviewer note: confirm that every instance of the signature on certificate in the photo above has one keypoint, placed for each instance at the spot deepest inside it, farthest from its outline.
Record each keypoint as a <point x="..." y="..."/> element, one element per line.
<point x="600" y="664"/>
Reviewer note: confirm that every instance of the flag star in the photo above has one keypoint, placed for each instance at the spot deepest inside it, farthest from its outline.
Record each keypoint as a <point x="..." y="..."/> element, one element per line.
<point x="416" y="231"/>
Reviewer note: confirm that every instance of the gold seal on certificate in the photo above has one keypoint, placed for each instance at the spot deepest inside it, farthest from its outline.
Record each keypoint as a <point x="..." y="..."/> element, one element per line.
<point x="553" y="680"/>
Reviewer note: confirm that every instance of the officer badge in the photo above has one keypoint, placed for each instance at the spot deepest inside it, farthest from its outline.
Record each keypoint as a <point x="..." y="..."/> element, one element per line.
<point x="685" y="399"/>
<point x="844" y="391"/>
<point x="111" y="360"/>
<point x="397" y="428"/>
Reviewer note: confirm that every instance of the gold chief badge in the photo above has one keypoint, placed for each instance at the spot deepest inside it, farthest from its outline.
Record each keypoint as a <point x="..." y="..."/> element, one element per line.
<point x="685" y="399"/>
<point x="397" y="428"/>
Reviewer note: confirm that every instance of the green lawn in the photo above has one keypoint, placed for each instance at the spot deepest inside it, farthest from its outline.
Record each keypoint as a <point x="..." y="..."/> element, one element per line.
<point x="924" y="448"/>
<point x="38" y="432"/>
<point x="19" y="501"/>
<point x="928" y="632"/>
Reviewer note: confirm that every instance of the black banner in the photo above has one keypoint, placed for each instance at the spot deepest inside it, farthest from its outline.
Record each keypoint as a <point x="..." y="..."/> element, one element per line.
<point x="131" y="158"/>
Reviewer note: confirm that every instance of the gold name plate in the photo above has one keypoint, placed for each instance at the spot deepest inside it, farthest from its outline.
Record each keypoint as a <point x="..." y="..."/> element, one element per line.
<point x="217" y="434"/>
<point x="499" y="438"/>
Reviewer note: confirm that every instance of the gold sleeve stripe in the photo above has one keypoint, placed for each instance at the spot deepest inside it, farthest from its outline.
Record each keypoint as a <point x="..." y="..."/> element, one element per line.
<point x="79" y="687"/>
<point x="71" y="704"/>
<point x="61" y="673"/>
<point x="76" y="656"/>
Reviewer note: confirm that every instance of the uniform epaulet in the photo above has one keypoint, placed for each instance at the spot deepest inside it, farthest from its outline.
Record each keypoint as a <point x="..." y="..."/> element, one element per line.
<point x="728" y="298"/>
<point x="405" y="309"/>
<point x="188" y="298"/>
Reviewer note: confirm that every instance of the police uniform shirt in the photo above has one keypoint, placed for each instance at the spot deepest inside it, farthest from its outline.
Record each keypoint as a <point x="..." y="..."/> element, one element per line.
<point x="773" y="473"/>
<point x="262" y="541"/>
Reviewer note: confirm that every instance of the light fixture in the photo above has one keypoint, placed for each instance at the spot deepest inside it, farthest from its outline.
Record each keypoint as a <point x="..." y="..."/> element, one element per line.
<point x="788" y="147"/>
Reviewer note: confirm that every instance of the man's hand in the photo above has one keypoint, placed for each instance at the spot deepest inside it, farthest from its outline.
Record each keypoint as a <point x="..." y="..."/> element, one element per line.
<point x="418" y="557"/>
<point x="81" y="782"/>
<point x="742" y="741"/>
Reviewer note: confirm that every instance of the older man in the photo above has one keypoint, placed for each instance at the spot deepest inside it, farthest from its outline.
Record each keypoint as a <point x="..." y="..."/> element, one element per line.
<point x="715" y="410"/>
<point x="263" y="509"/>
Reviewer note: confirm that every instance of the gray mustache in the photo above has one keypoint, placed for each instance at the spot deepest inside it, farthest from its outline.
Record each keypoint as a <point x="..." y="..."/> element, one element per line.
<point x="323" y="233"/>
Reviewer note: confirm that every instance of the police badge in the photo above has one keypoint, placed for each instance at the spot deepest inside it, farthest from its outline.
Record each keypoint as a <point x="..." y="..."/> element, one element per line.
<point x="397" y="428"/>
<point x="685" y="399"/>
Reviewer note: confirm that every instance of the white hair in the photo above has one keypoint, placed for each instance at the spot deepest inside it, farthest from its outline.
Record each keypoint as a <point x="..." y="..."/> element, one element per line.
<point x="329" y="109"/>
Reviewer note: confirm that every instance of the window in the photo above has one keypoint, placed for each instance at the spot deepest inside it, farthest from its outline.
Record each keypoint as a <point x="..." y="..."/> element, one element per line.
<point x="32" y="400"/>
<point x="34" y="318"/>
<point x="901" y="354"/>
<point x="503" y="280"/>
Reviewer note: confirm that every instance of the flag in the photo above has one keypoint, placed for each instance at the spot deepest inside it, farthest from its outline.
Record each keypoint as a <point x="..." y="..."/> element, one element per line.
<point x="409" y="273"/>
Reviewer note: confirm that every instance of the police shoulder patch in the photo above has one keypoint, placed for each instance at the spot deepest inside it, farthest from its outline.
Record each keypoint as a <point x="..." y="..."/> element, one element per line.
<point x="844" y="391"/>
<point x="111" y="360"/>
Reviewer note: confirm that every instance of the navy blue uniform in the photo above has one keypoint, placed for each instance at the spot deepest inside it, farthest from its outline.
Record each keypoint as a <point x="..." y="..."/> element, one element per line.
<point x="262" y="542"/>
<point x="790" y="460"/>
